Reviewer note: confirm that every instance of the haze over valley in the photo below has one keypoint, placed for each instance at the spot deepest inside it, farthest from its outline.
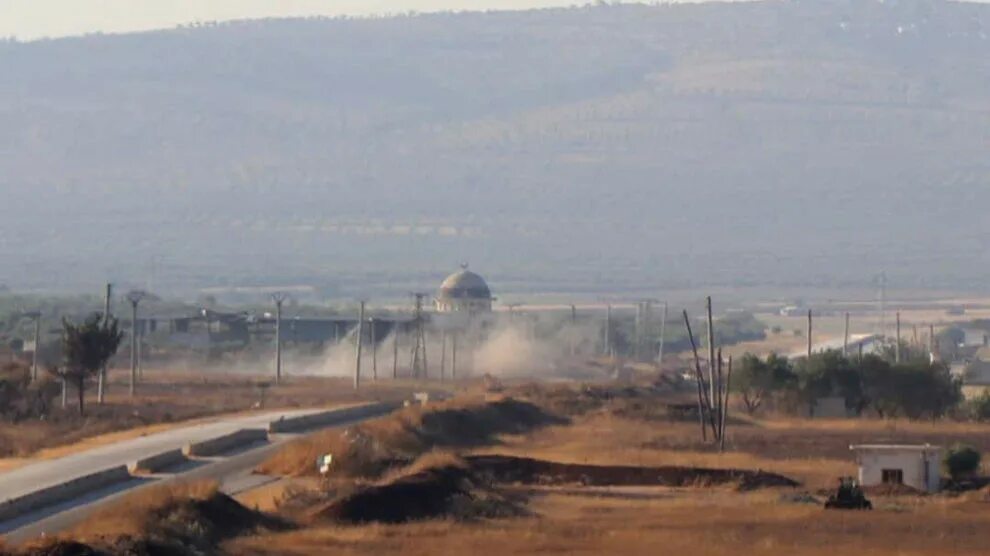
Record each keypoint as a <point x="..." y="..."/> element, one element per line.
<point x="777" y="143"/>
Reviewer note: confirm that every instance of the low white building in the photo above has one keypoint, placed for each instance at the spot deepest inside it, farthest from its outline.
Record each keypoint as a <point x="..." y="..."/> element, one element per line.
<point x="918" y="467"/>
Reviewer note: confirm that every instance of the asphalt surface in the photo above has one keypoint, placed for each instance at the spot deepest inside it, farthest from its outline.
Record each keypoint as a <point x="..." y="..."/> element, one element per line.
<point x="44" y="473"/>
<point x="233" y="470"/>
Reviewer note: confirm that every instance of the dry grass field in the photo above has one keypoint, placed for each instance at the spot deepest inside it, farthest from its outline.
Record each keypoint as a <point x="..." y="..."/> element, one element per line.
<point x="578" y="519"/>
<point x="575" y="518"/>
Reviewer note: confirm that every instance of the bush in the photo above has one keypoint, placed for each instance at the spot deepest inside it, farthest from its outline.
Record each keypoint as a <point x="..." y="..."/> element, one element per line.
<point x="979" y="408"/>
<point x="20" y="398"/>
<point x="961" y="461"/>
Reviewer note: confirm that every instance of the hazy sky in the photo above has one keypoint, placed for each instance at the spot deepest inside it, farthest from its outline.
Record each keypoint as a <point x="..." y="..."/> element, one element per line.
<point x="28" y="19"/>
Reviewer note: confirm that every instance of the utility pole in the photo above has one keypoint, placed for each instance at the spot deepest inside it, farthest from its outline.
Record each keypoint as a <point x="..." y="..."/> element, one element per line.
<point x="453" y="355"/>
<point x="573" y="333"/>
<point x="897" y="345"/>
<point x="419" y="366"/>
<point x="36" y="316"/>
<point x="845" y="338"/>
<point x="931" y="342"/>
<point x="882" y="282"/>
<point x="395" y="350"/>
<point x="279" y="298"/>
<point x="360" y="338"/>
<point x="663" y="333"/>
<point x="134" y="297"/>
<point x="374" y="350"/>
<point x="608" y="330"/>
<point x="443" y="353"/>
<point x="101" y="387"/>
<point x="809" y="335"/>
<point x="711" y="350"/>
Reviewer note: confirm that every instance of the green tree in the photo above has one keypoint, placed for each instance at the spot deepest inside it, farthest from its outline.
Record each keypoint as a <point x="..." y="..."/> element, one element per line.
<point x="757" y="379"/>
<point x="961" y="461"/>
<point x="828" y="374"/>
<point x="87" y="348"/>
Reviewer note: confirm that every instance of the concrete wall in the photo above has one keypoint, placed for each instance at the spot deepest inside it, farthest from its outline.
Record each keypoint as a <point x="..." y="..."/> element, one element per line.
<point x="157" y="462"/>
<point x="56" y="494"/>
<point x="330" y="417"/>
<point x="225" y="443"/>
<point x="921" y="469"/>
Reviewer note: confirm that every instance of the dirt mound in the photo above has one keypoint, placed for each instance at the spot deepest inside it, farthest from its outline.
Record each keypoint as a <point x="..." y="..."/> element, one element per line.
<point x="443" y="492"/>
<point x="190" y="518"/>
<point x="62" y="548"/>
<point x="892" y="490"/>
<point x="505" y="469"/>
<point x="370" y="449"/>
<point x="648" y="402"/>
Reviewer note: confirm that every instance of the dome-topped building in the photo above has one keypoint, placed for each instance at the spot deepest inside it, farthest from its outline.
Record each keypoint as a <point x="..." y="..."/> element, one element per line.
<point x="464" y="291"/>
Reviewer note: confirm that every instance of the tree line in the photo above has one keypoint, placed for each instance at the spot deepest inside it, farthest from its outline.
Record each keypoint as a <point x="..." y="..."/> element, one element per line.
<point x="876" y="383"/>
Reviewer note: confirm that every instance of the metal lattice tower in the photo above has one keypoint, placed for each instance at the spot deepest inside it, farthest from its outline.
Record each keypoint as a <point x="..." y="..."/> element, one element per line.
<point x="419" y="366"/>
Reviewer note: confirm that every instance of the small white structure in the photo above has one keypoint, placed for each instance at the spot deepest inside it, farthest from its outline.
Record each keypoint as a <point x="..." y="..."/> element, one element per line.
<point x="918" y="467"/>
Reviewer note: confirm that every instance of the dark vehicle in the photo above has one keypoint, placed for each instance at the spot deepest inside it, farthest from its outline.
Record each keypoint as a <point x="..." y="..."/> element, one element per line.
<point x="849" y="496"/>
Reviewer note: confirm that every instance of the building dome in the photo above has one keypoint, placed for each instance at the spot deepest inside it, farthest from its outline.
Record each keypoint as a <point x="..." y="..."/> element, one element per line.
<point x="464" y="291"/>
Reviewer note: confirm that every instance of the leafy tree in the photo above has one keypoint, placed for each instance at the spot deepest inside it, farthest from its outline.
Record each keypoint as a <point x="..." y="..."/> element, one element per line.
<point x="961" y="461"/>
<point x="757" y="379"/>
<point x="87" y="349"/>
<point x="914" y="389"/>
<point x="829" y="374"/>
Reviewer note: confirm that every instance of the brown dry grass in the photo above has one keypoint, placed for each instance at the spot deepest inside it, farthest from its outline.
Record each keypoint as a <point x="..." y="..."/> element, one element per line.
<point x="576" y="520"/>
<point x="661" y="521"/>
<point x="134" y="514"/>
<point x="406" y="435"/>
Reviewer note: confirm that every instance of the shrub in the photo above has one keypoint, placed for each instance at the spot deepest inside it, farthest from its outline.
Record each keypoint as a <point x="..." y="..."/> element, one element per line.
<point x="979" y="408"/>
<point x="962" y="461"/>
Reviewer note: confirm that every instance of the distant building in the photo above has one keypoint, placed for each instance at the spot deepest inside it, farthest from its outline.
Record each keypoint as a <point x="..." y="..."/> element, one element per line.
<point x="464" y="292"/>
<point x="918" y="467"/>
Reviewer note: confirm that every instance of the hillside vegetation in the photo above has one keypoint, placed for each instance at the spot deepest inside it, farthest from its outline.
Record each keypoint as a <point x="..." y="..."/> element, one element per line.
<point x="799" y="142"/>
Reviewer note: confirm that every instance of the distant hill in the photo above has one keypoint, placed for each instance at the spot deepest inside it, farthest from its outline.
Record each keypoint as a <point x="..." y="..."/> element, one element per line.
<point x="604" y="148"/>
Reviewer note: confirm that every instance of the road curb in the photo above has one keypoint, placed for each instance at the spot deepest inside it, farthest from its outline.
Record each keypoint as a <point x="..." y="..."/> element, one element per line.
<point x="227" y="442"/>
<point x="62" y="492"/>
<point x="330" y="417"/>
<point x="157" y="462"/>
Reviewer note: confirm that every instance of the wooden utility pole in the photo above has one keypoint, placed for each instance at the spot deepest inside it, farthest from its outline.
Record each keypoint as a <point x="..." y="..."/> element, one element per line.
<point x="809" y="334"/>
<point x="725" y="408"/>
<point x="699" y="376"/>
<point x="845" y="339"/>
<point x="360" y="340"/>
<point x="101" y="387"/>
<point x="897" y="342"/>
<point x="711" y="349"/>
<point x="279" y="298"/>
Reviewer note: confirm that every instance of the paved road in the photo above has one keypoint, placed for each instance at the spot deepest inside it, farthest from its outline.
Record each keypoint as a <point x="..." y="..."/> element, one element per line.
<point x="232" y="470"/>
<point x="35" y="476"/>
